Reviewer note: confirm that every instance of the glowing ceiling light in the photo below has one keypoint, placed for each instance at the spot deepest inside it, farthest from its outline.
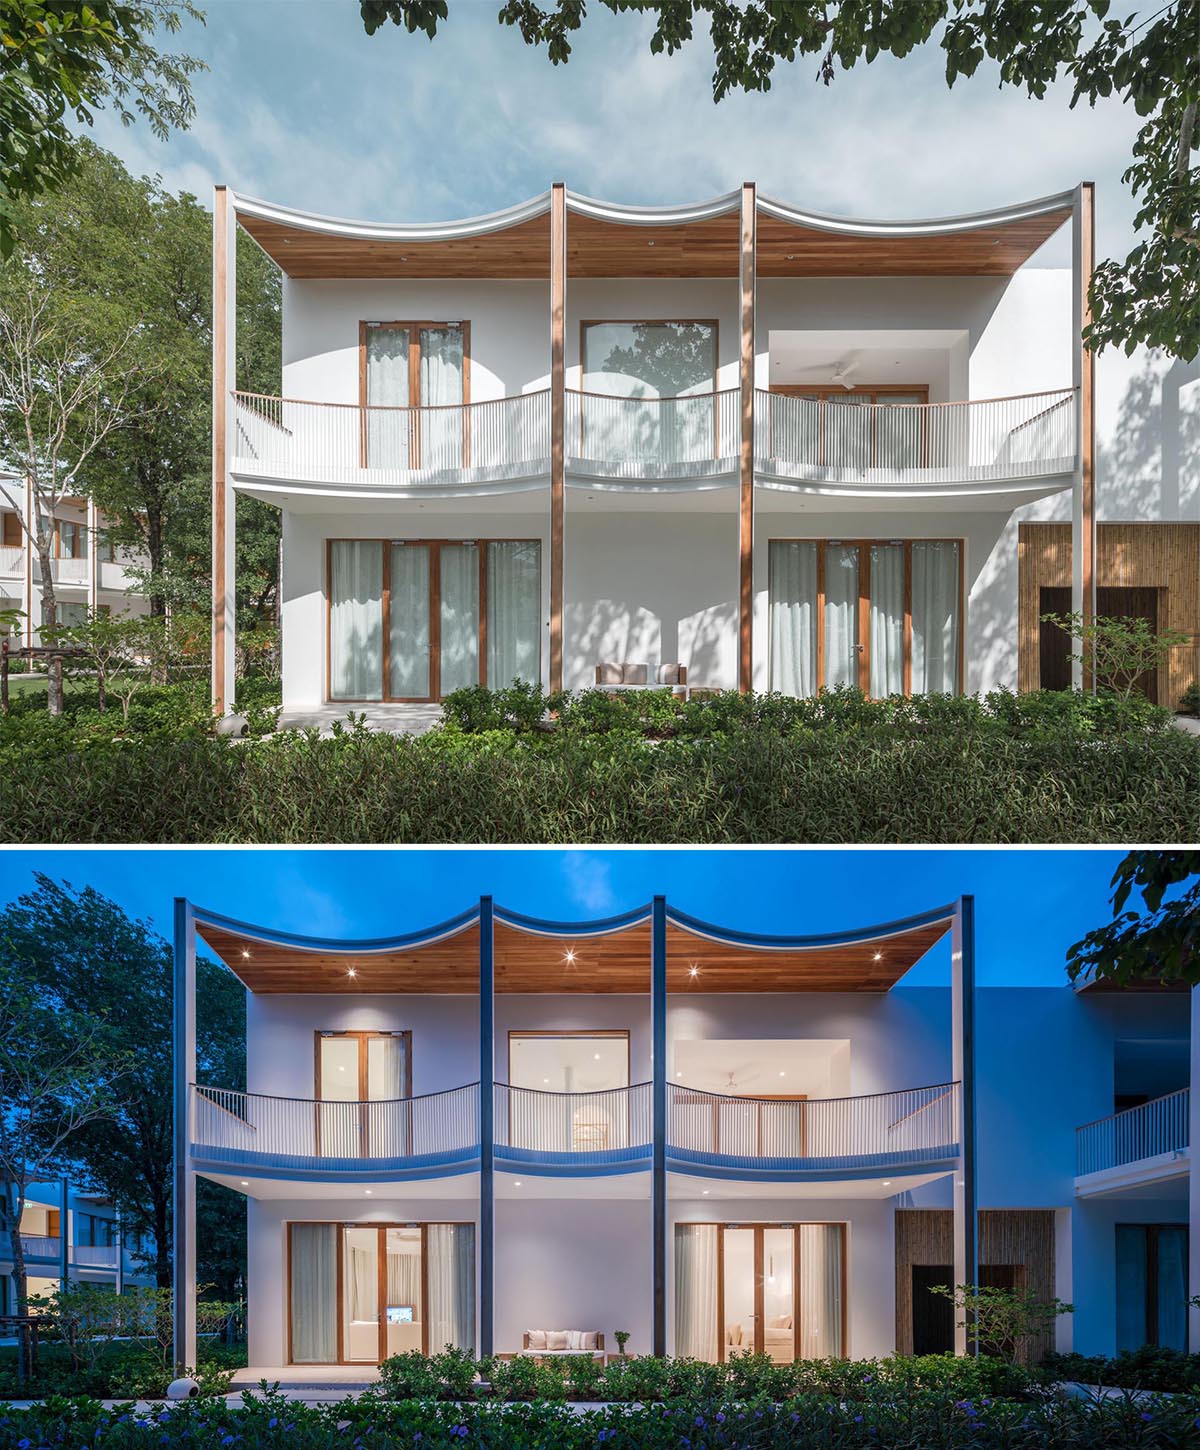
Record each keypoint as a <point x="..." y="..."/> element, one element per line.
<point x="879" y="956"/>
<point x="694" y="970"/>
<point x="245" y="953"/>
<point x="351" y="972"/>
<point x="570" y="956"/>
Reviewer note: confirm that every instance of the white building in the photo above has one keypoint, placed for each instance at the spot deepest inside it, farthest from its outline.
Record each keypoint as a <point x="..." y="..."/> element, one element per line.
<point x="711" y="1139"/>
<point x="73" y="1233"/>
<point x="90" y="575"/>
<point x="780" y="449"/>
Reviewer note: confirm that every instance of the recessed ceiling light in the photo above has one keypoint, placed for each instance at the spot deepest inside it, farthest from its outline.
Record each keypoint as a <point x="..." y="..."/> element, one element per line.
<point x="545" y="1079"/>
<point x="570" y="956"/>
<point x="783" y="1074"/>
<point x="245" y="953"/>
<point x="694" y="972"/>
<point x="679" y="1074"/>
<point x="887" y="1182"/>
<point x="517" y="1183"/>
<point x="595" y="1057"/>
<point x="704" y="1193"/>
<point x="367" y="1191"/>
<point x="245" y="1183"/>
<point x="879" y="956"/>
<point x="350" y="972"/>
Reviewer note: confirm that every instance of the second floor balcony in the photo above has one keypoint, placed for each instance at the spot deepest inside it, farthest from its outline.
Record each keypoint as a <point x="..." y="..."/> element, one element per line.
<point x="812" y="444"/>
<point x="1140" y="1145"/>
<point x="74" y="573"/>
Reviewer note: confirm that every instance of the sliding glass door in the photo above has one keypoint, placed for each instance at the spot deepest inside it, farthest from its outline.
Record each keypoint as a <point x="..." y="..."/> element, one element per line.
<point x="358" y="1293"/>
<point x="774" y="1289"/>
<point x="885" y="616"/>
<point x="406" y="367"/>
<point x="416" y="619"/>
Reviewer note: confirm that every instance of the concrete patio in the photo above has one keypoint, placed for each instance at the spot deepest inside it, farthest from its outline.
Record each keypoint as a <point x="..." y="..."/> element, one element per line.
<point x="392" y="719"/>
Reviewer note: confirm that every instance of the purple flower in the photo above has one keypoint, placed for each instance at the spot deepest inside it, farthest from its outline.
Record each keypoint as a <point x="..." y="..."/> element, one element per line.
<point x="700" y="1422"/>
<point x="720" y="1418"/>
<point x="1147" y="1416"/>
<point x="272" y="1422"/>
<point x="858" y="1419"/>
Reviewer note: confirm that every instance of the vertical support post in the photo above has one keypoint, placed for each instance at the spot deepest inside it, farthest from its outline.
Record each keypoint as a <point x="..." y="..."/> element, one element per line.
<point x="1083" y="496"/>
<point x="658" y="1170"/>
<point x="93" y="557"/>
<point x="120" y="1284"/>
<point x="487" y="1135"/>
<point x="27" y="602"/>
<point x="64" y="1233"/>
<point x="1193" y="1330"/>
<point x="183" y="1218"/>
<point x="747" y="275"/>
<point x="224" y="378"/>
<point x="558" y="422"/>
<point x="966" y="1203"/>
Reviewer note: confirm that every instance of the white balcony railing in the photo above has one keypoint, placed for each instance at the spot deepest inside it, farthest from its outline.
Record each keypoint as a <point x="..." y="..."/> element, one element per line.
<point x="653" y="438"/>
<point x="578" y="1123"/>
<point x="1151" y="1129"/>
<point x="39" y="1246"/>
<point x="911" y="1125"/>
<point x="821" y="440"/>
<point x="255" y="1128"/>
<point x="12" y="561"/>
<point x="96" y="1256"/>
<point x="344" y="444"/>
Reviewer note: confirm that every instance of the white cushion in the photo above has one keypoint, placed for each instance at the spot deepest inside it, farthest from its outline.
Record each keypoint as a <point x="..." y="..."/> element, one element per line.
<point x="537" y="1339"/>
<point x="557" y="1339"/>
<point x="780" y="1321"/>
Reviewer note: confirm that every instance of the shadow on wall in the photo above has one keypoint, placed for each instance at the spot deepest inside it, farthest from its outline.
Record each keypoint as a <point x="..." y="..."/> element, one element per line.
<point x="991" y="655"/>
<point x="651" y="633"/>
<point x="1150" y="468"/>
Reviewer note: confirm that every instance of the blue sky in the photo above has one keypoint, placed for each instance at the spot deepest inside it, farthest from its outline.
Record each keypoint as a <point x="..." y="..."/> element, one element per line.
<point x="300" y="106"/>
<point x="1030" y="905"/>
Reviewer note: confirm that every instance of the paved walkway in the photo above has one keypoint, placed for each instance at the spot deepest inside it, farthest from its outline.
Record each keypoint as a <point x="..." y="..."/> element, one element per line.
<point x="392" y="719"/>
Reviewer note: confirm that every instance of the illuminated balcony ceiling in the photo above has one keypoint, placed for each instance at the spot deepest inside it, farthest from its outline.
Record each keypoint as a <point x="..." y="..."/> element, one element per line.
<point x="609" y="240"/>
<point x="593" y="957"/>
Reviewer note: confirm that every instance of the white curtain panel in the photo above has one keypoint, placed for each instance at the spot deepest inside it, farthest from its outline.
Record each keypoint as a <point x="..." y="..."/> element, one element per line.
<point x="314" y="1293"/>
<point x="409" y="645"/>
<point x="387" y="387"/>
<point x="887" y="620"/>
<point x="441" y="384"/>
<point x="460" y="616"/>
<point x="362" y="1274"/>
<point x="696" y="1291"/>
<point x="821" y="1306"/>
<point x="841" y="615"/>
<point x="404" y="1279"/>
<point x="356" y="620"/>
<point x="450" y="1249"/>
<point x="792" y="592"/>
<point x="386" y="1123"/>
<point x="935" y="618"/>
<point x="514" y="609"/>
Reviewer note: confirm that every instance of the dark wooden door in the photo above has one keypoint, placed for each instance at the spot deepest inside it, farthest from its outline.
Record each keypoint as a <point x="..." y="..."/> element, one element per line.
<point x="933" y="1314"/>
<point x="1054" y="645"/>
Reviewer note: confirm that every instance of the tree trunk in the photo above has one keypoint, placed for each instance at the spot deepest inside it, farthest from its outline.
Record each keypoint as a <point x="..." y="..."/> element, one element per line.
<point x="154" y="550"/>
<point x="54" y="672"/>
<point x="13" y="1199"/>
<point x="162" y="1244"/>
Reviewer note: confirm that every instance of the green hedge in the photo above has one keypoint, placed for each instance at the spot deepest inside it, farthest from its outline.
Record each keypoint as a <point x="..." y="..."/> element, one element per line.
<point x="120" y="1371"/>
<point x="888" y="1420"/>
<point x="830" y="786"/>
<point x="1149" y="1368"/>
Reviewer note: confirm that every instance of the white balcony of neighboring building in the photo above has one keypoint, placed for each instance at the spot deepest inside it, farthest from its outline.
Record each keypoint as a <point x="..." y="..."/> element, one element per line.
<point x="1137" y="1148"/>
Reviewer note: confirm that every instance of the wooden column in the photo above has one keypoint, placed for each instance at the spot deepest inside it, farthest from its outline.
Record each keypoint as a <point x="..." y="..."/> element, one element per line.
<point x="1083" y="503"/>
<point x="747" y="281"/>
<point x="658" y="1166"/>
<point x="64" y="1232"/>
<point x="558" y="421"/>
<point x="93" y="557"/>
<point x="27" y="602"/>
<point x="224" y="378"/>
<point x="183" y="1208"/>
<point x="962" y="1008"/>
<point x="487" y="1135"/>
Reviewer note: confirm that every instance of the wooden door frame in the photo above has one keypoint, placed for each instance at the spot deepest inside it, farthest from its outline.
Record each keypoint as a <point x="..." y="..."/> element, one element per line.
<point x="341" y="1226"/>
<point x="414" y="330"/>
<point x="864" y="547"/>
<point x="363" y="1036"/>
<point x="435" y="546"/>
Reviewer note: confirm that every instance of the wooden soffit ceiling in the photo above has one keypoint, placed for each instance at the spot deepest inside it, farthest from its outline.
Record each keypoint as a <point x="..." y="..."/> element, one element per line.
<point x="704" y="247"/>
<point x="531" y="962"/>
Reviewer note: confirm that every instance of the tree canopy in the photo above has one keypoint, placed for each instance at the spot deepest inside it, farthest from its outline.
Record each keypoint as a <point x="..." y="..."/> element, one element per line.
<point x="1161" y="942"/>
<point x="1152" y="297"/>
<point x="64" y="59"/>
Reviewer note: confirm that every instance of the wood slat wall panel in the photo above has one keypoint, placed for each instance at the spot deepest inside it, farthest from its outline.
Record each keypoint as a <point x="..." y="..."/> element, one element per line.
<point x="1161" y="556"/>
<point x="1006" y="1236"/>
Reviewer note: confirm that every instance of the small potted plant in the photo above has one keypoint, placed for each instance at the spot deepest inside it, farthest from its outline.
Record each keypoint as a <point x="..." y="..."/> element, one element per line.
<point x="622" y="1338"/>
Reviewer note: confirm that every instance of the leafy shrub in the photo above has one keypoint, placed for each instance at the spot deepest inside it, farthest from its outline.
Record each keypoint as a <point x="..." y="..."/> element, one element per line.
<point x="1148" y="1368"/>
<point x="1189" y="702"/>
<point x="522" y="706"/>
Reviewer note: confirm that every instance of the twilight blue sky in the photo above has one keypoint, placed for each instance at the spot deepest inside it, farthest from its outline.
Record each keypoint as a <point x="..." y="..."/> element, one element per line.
<point x="1031" y="905"/>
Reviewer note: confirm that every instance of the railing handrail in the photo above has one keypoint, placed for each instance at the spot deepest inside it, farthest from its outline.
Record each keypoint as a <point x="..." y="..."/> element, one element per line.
<point x="335" y="1102"/>
<point x="241" y="396"/>
<point x="1063" y="394"/>
<point x="1137" y="1108"/>
<point x="582" y="1093"/>
<point x="945" y="1088"/>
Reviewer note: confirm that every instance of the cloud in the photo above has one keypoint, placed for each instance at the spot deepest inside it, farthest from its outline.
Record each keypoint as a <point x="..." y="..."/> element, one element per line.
<point x="589" y="884"/>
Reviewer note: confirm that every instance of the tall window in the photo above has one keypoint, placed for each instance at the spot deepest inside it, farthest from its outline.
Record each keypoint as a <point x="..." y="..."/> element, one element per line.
<point x="885" y="616"/>
<point x="410" y="365"/>
<point x="416" y="619"/>
<point x="361" y="1080"/>
<point x="1152" y="1277"/>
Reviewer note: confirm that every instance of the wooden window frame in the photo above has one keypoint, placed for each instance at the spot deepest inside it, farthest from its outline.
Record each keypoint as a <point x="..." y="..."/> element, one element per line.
<point x="363" y="1036"/>
<point x="712" y="322"/>
<point x="877" y="392"/>
<point x="414" y="330"/>
<point x="341" y="1226"/>
<point x="864" y="547"/>
<point x="435" y="613"/>
<point x="759" y="1297"/>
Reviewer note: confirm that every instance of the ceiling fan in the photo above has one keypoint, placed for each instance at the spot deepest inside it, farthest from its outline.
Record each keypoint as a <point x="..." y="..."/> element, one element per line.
<point x="842" y="373"/>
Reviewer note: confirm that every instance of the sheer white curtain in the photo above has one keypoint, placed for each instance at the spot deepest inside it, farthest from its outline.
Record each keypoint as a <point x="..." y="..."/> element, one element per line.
<point x="841" y="615"/>
<point x="409" y="662"/>
<point x="356" y="620"/>
<point x="387" y="387"/>
<point x="450" y="1270"/>
<point x="792" y="592"/>
<point x="887" y="620"/>
<point x="820" y="1274"/>
<point x="314" y="1293"/>
<point x="403" y="1274"/>
<point x="385" y="1084"/>
<point x="514" y="600"/>
<point x="460" y="616"/>
<point x="696" y="1291"/>
<point x="935" y="618"/>
<point x="441" y="383"/>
